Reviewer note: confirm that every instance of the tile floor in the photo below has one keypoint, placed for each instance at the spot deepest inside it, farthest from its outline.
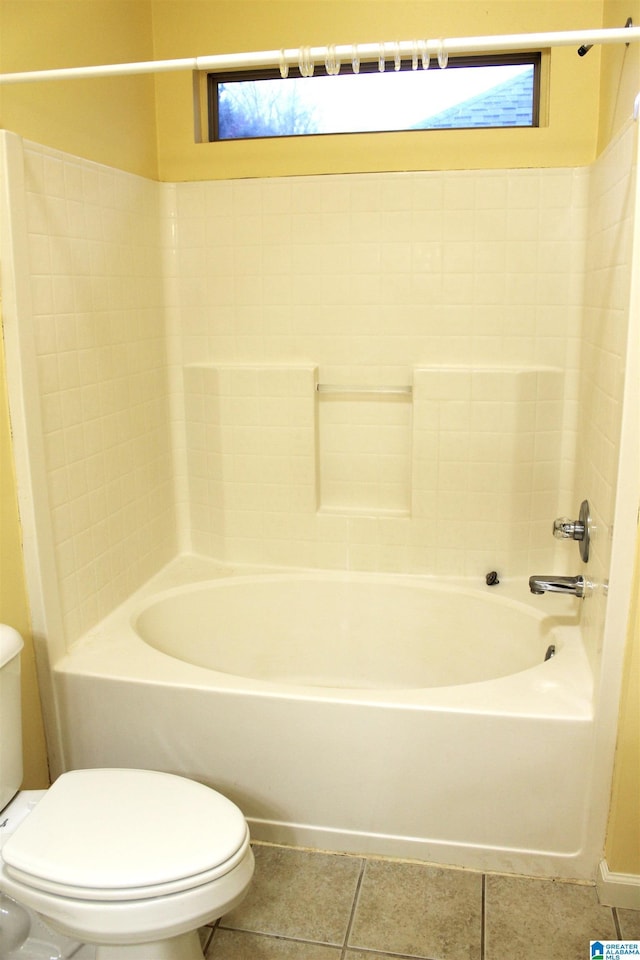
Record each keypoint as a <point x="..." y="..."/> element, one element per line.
<point x="305" y="905"/>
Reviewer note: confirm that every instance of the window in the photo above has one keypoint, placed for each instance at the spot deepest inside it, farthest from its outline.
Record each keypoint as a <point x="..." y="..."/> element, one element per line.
<point x="487" y="91"/>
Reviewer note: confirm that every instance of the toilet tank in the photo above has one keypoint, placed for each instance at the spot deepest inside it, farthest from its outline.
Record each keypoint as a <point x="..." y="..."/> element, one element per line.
<point x="10" y="714"/>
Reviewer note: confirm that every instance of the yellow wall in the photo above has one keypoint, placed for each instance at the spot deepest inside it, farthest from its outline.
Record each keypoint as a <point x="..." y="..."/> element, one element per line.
<point x="620" y="74"/>
<point x="14" y="608"/>
<point x="188" y="27"/>
<point x="114" y="120"/>
<point x="110" y="120"/>
<point x="623" y="837"/>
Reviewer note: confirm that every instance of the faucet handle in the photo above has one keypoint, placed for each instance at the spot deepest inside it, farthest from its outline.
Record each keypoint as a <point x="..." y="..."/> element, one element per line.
<point x="565" y="529"/>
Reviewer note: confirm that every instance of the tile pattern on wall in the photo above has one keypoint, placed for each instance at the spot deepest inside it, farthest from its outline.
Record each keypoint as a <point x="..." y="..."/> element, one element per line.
<point x="487" y="457"/>
<point x="469" y="455"/>
<point x="251" y="458"/>
<point x="470" y="267"/>
<point x="98" y="333"/>
<point x="606" y="320"/>
<point x="364" y="277"/>
<point x="368" y="277"/>
<point x="364" y="450"/>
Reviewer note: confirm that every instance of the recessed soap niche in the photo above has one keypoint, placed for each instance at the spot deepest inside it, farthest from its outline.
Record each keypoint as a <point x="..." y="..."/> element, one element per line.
<point x="364" y="449"/>
<point x="270" y="449"/>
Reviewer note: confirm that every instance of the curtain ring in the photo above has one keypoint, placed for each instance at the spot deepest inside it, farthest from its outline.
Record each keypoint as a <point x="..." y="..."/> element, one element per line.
<point x="415" y="53"/>
<point x="331" y="62"/>
<point x="309" y="62"/>
<point x="284" y="66"/>
<point x="397" y="57"/>
<point x="355" y="58"/>
<point x="305" y="62"/>
<point x="443" y="56"/>
<point x="426" y="59"/>
<point x="381" y="63"/>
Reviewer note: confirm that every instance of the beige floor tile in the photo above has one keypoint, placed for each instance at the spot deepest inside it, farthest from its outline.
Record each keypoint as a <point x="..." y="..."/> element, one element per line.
<point x="529" y="919"/>
<point x="419" y="911"/>
<point x="629" y="921"/>
<point x="235" y="945"/>
<point x="298" y="894"/>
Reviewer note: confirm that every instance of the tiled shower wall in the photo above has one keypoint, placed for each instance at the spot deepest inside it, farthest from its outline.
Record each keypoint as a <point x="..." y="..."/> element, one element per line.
<point x="96" y="292"/>
<point x="612" y="209"/>
<point x="466" y="288"/>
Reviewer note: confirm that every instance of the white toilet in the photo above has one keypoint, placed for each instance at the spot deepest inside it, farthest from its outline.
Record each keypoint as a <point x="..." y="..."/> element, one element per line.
<point x="132" y="861"/>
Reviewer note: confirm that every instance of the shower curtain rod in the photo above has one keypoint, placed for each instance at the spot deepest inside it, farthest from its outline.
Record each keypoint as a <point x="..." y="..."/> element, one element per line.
<point x="343" y="52"/>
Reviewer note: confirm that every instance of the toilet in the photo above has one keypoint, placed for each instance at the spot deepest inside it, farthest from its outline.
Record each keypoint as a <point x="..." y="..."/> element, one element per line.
<point x="131" y="861"/>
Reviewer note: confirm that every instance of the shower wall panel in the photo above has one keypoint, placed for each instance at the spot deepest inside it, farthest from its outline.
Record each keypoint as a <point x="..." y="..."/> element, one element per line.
<point x="363" y="278"/>
<point x="250" y="437"/>
<point x="609" y="263"/>
<point x="95" y="325"/>
<point x="487" y="456"/>
<point x="369" y="277"/>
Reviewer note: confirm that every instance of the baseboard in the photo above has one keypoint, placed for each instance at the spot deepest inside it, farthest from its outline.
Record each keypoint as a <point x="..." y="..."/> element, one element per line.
<point x="618" y="889"/>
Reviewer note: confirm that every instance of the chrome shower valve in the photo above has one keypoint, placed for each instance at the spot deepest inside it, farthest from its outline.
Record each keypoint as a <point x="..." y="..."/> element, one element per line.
<point x="580" y="529"/>
<point x="565" y="529"/>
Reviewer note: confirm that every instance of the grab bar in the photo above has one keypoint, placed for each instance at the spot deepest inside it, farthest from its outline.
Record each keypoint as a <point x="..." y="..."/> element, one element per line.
<point x="353" y="388"/>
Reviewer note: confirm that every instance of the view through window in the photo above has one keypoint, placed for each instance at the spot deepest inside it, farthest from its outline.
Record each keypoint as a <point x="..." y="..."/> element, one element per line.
<point x="471" y="92"/>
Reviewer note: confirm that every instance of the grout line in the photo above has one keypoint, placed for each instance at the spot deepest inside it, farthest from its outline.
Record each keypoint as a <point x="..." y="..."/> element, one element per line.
<point x="75" y="951"/>
<point x="212" y="927"/>
<point x="284" y="938"/>
<point x="354" y="905"/>
<point x="616" y="921"/>
<point x="389" y="956"/>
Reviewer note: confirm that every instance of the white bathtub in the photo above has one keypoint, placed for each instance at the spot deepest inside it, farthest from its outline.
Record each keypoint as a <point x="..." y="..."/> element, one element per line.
<point x="322" y="630"/>
<point x="373" y="714"/>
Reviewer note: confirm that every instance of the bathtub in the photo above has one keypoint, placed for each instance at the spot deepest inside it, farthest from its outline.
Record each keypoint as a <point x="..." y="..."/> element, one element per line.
<point x="365" y="713"/>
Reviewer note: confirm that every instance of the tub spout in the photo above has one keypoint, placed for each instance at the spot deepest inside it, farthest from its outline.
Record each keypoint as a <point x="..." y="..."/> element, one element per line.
<point x="570" y="585"/>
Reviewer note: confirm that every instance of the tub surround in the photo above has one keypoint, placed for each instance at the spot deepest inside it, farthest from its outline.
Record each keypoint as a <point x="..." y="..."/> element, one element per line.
<point x="432" y="280"/>
<point x="467" y="285"/>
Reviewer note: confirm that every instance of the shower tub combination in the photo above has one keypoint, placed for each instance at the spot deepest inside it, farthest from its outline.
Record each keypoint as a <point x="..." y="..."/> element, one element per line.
<point x="364" y="713"/>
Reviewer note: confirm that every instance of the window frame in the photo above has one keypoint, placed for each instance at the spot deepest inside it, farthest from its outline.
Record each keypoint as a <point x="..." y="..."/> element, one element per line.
<point x="213" y="80"/>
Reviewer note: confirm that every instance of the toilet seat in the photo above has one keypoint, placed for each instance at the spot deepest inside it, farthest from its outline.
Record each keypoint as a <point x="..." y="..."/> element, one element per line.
<point x="125" y="894"/>
<point x="117" y="835"/>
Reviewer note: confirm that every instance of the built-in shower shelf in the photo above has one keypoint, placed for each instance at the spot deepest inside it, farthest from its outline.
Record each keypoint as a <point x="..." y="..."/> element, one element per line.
<point x="348" y="389"/>
<point x="364" y="448"/>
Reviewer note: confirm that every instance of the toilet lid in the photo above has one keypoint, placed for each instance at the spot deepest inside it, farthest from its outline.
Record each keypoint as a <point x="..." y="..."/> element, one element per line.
<point x="113" y="831"/>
